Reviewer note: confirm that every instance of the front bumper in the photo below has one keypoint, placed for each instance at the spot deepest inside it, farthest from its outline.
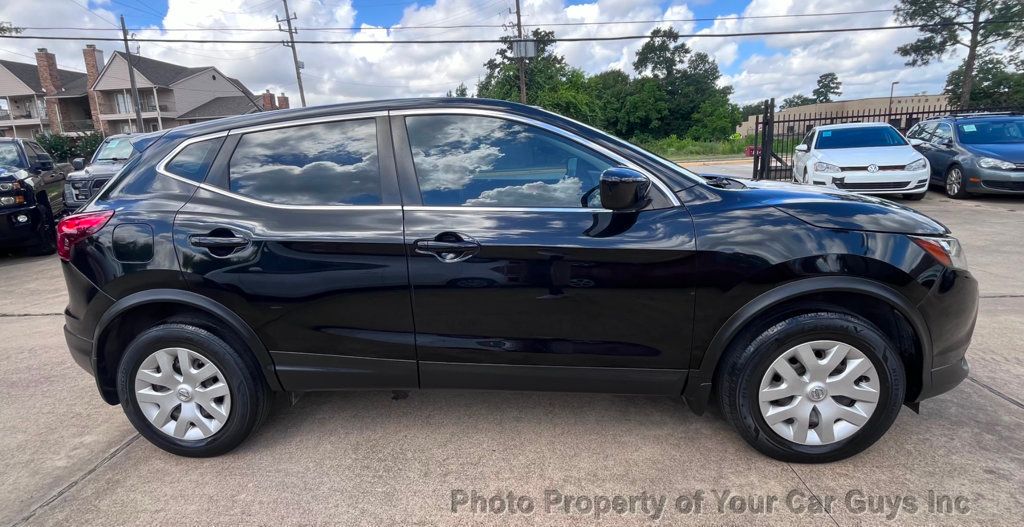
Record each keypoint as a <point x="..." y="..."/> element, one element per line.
<point x="14" y="233"/>
<point x="950" y="310"/>
<point x="884" y="182"/>
<point x="991" y="181"/>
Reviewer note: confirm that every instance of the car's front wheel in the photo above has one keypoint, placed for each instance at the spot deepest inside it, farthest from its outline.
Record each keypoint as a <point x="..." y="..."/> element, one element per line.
<point x="813" y="388"/>
<point x="956" y="187"/>
<point x="189" y="392"/>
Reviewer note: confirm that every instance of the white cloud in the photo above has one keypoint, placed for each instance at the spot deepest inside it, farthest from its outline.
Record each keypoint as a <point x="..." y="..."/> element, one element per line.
<point x="783" y="65"/>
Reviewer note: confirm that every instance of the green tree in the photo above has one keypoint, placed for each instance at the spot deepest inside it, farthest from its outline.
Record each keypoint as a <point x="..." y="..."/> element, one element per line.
<point x="610" y="90"/>
<point x="796" y="100"/>
<point x="461" y="90"/>
<point x="828" y="85"/>
<point x="997" y="83"/>
<point x="754" y="108"/>
<point x="7" y="29"/>
<point x="60" y="147"/>
<point x="715" y="120"/>
<point x="662" y="55"/>
<point x="645" y="109"/>
<point x="976" y="25"/>
<point x="88" y="144"/>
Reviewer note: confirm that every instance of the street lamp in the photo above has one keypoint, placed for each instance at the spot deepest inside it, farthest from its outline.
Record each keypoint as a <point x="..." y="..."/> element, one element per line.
<point x="892" y="87"/>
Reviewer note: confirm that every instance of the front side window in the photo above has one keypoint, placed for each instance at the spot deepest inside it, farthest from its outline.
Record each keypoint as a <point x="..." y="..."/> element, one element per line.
<point x="859" y="137"/>
<point x="942" y="133"/>
<point x="464" y="160"/>
<point x="194" y="160"/>
<point x="9" y="156"/>
<point x="317" y="164"/>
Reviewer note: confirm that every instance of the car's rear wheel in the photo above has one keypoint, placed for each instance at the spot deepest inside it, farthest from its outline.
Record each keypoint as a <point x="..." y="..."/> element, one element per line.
<point x="813" y="388"/>
<point x="955" y="184"/>
<point x="189" y="392"/>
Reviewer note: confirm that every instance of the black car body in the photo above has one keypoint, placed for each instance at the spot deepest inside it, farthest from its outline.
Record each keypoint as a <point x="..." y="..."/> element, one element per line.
<point x="88" y="178"/>
<point x="973" y="154"/>
<point x="446" y="274"/>
<point x="30" y="187"/>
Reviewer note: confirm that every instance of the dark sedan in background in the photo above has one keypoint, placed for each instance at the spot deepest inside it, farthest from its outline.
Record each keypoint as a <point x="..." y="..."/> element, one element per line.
<point x="973" y="154"/>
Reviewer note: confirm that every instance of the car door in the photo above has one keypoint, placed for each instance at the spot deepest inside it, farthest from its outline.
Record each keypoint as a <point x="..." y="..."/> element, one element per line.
<point x="925" y="132"/>
<point x="800" y="158"/>
<point x="298" y="229"/>
<point x="515" y="283"/>
<point x="941" y="149"/>
<point x="51" y="178"/>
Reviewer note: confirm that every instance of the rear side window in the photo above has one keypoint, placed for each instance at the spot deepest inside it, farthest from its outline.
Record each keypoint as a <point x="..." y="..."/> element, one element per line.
<point x="318" y="164"/>
<point x="194" y="160"/>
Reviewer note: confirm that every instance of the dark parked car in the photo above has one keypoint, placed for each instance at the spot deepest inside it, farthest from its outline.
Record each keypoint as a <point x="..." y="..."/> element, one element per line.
<point x="29" y="197"/>
<point x="322" y="249"/>
<point x="973" y="154"/>
<point x="112" y="154"/>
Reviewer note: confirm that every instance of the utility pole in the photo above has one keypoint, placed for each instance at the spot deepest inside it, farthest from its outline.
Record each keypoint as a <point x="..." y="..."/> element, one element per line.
<point x="131" y="78"/>
<point x="291" y="44"/>
<point x="521" y="59"/>
<point x="892" y="87"/>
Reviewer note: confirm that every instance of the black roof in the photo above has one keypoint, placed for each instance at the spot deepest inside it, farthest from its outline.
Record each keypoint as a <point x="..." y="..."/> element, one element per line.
<point x="159" y="72"/>
<point x="259" y="118"/>
<point x="29" y="74"/>
<point x="221" y="107"/>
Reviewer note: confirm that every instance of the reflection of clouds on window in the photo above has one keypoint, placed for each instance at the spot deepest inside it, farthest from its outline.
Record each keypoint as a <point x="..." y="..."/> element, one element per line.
<point x="565" y="193"/>
<point x="321" y="164"/>
<point x="486" y="161"/>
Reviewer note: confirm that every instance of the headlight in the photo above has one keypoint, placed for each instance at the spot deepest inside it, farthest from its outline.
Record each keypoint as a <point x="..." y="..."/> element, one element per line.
<point x="946" y="250"/>
<point x="821" y="166"/>
<point x="6" y="187"/>
<point x="920" y="164"/>
<point x="988" y="162"/>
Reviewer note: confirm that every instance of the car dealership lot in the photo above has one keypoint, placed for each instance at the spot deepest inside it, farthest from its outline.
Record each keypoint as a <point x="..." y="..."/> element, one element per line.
<point x="373" y="459"/>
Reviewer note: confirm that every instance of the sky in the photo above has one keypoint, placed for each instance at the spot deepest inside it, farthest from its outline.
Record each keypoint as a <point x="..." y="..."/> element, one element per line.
<point x="756" y="67"/>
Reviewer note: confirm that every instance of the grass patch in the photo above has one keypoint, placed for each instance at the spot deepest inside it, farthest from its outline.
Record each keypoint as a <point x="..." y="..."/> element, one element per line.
<point x="673" y="147"/>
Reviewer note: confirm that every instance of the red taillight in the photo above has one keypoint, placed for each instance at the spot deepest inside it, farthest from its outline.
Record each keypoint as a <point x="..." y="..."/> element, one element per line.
<point x="74" y="228"/>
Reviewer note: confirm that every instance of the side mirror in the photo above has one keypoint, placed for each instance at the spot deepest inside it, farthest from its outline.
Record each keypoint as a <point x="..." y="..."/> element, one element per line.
<point x="915" y="142"/>
<point x="802" y="148"/>
<point x="948" y="143"/>
<point x="78" y="163"/>
<point x="624" y="189"/>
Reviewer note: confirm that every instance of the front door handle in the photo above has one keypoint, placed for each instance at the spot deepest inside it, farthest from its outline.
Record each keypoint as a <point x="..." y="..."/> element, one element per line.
<point x="448" y="247"/>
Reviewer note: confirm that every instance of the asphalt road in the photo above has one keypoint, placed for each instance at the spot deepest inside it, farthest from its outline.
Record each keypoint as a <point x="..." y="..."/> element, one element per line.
<point x="367" y="458"/>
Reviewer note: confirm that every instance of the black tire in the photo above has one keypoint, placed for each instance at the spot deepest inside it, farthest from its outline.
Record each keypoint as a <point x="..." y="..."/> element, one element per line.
<point x="959" y="191"/>
<point x="747" y="361"/>
<point x="47" y="232"/>
<point x="250" y="395"/>
<point x="915" y="197"/>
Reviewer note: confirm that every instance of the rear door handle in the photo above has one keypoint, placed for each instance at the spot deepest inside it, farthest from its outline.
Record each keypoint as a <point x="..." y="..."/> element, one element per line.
<point x="218" y="242"/>
<point x="448" y="247"/>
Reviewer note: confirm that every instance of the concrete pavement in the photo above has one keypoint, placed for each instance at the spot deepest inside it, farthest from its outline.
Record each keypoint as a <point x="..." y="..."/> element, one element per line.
<point x="365" y="458"/>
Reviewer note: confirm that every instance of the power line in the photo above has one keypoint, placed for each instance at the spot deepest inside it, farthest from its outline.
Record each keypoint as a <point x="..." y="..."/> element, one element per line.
<point x="484" y="26"/>
<point x="499" y="41"/>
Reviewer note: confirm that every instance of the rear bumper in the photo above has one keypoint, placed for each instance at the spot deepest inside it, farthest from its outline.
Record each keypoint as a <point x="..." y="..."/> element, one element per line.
<point x="81" y="350"/>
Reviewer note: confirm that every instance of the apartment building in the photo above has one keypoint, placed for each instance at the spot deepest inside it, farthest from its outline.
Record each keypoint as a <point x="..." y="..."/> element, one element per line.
<point x="40" y="98"/>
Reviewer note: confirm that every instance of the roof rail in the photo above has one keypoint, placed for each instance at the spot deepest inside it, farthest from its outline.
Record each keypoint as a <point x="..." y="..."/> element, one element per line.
<point x="972" y="114"/>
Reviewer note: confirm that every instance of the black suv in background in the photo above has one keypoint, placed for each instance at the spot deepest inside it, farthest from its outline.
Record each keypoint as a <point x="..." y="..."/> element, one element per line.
<point x="973" y="154"/>
<point x="29" y="197"/>
<point x="476" y="244"/>
<point x="112" y="154"/>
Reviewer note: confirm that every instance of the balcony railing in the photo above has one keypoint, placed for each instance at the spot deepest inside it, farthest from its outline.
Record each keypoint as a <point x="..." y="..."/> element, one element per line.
<point x="78" y="125"/>
<point x="6" y="115"/>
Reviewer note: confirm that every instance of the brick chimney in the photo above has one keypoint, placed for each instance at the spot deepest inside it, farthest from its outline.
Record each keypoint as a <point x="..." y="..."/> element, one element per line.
<point x="282" y="101"/>
<point x="93" y="66"/>
<point x="268" y="101"/>
<point x="49" y="79"/>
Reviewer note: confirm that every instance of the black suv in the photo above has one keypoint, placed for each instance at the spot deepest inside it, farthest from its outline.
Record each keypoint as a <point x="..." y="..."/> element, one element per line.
<point x="973" y="154"/>
<point x="30" y="189"/>
<point x="475" y="244"/>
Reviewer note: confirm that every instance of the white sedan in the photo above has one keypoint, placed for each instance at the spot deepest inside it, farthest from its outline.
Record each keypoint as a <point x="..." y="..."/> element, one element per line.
<point x="868" y="158"/>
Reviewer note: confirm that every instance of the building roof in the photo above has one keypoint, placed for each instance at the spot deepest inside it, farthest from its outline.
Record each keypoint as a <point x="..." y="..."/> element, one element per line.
<point x="221" y="107"/>
<point x="29" y="74"/>
<point x="158" y="72"/>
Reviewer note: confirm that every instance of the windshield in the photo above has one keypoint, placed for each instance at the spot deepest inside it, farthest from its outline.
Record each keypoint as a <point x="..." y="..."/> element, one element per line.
<point x="115" y="150"/>
<point x="860" y="137"/>
<point x="9" y="155"/>
<point x="991" y="132"/>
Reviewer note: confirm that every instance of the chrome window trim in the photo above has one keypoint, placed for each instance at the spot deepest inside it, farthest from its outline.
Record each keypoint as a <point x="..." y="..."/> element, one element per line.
<point x="161" y="169"/>
<point x="657" y="182"/>
<point x="467" y="208"/>
<point x="308" y="121"/>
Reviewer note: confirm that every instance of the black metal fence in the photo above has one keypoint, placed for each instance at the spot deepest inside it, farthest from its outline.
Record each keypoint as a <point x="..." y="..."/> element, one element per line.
<point x="776" y="136"/>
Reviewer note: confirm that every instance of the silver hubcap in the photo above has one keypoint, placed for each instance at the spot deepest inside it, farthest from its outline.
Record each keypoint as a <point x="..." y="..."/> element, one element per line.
<point x="819" y="392"/>
<point x="182" y="394"/>
<point x="954" y="181"/>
